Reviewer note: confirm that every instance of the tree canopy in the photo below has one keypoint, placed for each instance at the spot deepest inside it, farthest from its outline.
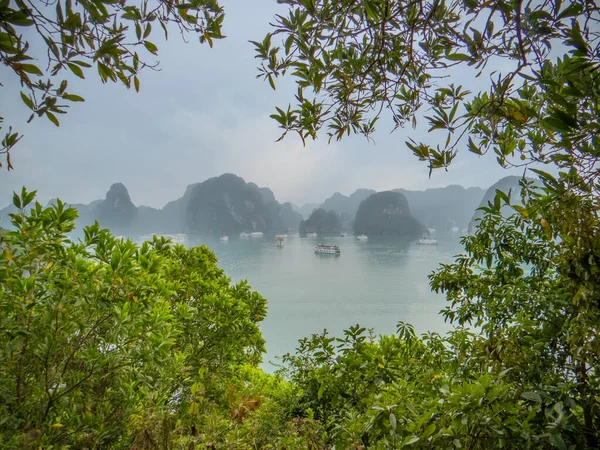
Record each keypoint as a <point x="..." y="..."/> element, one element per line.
<point x="107" y="36"/>
<point x="105" y="343"/>
<point x="354" y="61"/>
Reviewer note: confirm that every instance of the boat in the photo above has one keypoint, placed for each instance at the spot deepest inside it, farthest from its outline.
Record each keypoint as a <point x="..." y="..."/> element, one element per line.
<point x="362" y="237"/>
<point x="254" y="234"/>
<point x="282" y="236"/>
<point x="426" y="240"/>
<point x="224" y="238"/>
<point x="279" y="241"/>
<point x="343" y="234"/>
<point x="311" y="235"/>
<point x="327" y="249"/>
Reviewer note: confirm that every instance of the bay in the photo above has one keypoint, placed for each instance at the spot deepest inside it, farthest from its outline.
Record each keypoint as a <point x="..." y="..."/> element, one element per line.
<point x="374" y="283"/>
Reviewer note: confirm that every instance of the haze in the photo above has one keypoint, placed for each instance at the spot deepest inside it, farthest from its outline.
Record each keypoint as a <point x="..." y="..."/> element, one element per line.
<point x="203" y="114"/>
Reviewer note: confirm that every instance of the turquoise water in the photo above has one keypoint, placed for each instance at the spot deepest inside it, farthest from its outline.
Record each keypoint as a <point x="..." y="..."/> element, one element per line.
<point x="375" y="283"/>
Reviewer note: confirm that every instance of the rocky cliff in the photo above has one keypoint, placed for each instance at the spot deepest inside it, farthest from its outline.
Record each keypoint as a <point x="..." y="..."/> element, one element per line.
<point x="322" y="222"/>
<point x="386" y="213"/>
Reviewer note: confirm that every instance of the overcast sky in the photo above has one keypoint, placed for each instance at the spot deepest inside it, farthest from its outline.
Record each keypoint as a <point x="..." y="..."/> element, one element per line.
<point x="203" y="114"/>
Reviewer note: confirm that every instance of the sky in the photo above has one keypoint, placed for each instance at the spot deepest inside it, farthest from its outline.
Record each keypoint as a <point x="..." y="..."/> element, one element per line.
<point x="203" y="114"/>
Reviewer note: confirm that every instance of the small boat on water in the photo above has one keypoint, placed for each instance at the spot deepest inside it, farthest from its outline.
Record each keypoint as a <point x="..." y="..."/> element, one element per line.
<point x="282" y="236"/>
<point x="224" y="238"/>
<point x="327" y="249"/>
<point x="426" y="240"/>
<point x="311" y="235"/>
<point x="254" y="234"/>
<point x="279" y="241"/>
<point x="362" y="237"/>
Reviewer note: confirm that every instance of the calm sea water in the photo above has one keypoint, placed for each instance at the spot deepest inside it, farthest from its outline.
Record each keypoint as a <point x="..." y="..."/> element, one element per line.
<point x="375" y="283"/>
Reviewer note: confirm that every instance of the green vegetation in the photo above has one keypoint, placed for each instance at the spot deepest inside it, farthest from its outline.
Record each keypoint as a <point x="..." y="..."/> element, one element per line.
<point x="386" y="213"/>
<point x="107" y="344"/>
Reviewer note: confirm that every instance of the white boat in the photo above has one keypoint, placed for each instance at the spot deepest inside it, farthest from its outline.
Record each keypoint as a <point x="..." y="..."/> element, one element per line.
<point x="282" y="236"/>
<point x="311" y="235"/>
<point x="362" y="237"/>
<point x="254" y="234"/>
<point x="327" y="249"/>
<point x="224" y="238"/>
<point x="426" y="240"/>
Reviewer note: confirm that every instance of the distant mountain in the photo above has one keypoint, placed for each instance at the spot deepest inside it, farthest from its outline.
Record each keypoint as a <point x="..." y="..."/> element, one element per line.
<point x="226" y="204"/>
<point x="322" y="222"/>
<point x="291" y="219"/>
<point x="307" y="209"/>
<point x="266" y="193"/>
<point x="5" y="217"/>
<point x="443" y="208"/>
<point x="116" y="211"/>
<point x="506" y="184"/>
<point x="386" y="213"/>
<point x="346" y="207"/>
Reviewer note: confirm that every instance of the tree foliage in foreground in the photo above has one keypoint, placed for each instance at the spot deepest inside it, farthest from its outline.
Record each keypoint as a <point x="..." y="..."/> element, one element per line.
<point x="355" y="61"/>
<point x="107" y="36"/>
<point x="104" y="343"/>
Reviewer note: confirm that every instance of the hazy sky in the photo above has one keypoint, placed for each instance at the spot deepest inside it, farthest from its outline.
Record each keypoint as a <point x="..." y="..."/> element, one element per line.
<point x="203" y="114"/>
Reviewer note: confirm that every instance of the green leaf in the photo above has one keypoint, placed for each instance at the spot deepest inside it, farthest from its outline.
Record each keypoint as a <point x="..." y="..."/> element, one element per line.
<point x="151" y="47"/>
<point x="555" y="124"/>
<point x="27" y="101"/>
<point x="73" y="98"/>
<point x="393" y="422"/>
<point x="31" y="68"/>
<point x="412" y="440"/>
<point x="429" y="429"/>
<point x="52" y="118"/>
<point x="532" y="396"/>
<point x="458" y="57"/>
<point x="76" y="70"/>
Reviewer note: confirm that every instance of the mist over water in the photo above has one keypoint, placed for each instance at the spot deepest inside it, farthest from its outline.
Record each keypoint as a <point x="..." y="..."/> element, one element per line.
<point x="375" y="283"/>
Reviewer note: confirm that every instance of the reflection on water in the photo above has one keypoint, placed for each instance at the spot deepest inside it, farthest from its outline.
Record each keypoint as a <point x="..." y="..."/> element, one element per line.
<point x="375" y="283"/>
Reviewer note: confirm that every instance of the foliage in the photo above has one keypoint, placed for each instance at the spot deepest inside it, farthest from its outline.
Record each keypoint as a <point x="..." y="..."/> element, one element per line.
<point x="354" y="60"/>
<point x="113" y="36"/>
<point x="108" y="344"/>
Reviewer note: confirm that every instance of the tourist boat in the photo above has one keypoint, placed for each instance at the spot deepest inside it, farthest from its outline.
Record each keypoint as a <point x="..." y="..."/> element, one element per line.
<point x="327" y="249"/>
<point x="362" y="237"/>
<point x="254" y="234"/>
<point x="426" y="240"/>
<point x="311" y="235"/>
<point x="279" y="241"/>
<point x="224" y="238"/>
